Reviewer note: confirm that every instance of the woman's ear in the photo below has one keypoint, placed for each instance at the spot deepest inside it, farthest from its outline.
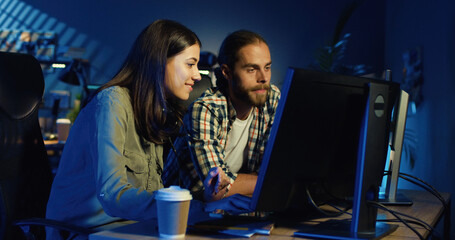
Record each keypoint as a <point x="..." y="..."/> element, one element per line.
<point x="226" y="72"/>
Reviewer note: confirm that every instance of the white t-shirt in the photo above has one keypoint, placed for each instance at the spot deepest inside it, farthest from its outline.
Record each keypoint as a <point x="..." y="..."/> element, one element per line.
<point x="236" y="149"/>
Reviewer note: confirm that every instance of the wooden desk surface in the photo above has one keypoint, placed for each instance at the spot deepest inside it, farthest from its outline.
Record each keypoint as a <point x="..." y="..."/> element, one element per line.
<point x="425" y="207"/>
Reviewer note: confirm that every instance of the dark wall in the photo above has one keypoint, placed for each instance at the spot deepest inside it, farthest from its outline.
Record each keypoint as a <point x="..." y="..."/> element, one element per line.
<point x="293" y="29"/>
<point x="431" y="129"/>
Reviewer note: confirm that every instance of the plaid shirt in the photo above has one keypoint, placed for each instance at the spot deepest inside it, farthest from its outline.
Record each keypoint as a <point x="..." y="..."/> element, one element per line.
<point x="205" y="135"/>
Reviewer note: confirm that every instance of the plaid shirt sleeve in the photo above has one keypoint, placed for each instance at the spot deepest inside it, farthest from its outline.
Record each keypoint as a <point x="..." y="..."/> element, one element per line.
<point x="208" y="134"/>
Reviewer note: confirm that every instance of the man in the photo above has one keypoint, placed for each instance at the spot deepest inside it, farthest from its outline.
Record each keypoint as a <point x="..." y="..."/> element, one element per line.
<point x="228" y="126"/>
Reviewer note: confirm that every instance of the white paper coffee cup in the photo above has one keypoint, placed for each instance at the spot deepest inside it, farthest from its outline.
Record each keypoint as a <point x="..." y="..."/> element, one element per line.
<point x="173" y="205"/>
<point x="63" y="129"/>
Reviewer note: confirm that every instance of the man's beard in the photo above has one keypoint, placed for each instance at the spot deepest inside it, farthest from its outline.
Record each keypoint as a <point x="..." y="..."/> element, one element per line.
<point x="248" y="96"/>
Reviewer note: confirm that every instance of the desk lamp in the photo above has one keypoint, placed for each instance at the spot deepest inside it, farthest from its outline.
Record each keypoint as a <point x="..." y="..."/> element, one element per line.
<point x="75" y="74"/>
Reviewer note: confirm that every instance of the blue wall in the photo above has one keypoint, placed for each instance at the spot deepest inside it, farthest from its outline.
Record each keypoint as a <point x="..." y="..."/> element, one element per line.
<point x="430" y="25"/>
<point x="293" y="29"/>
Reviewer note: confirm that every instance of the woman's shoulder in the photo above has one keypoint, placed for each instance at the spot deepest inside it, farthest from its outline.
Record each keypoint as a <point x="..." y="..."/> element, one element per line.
<point x="113" y="96"/>
<point x="114" y="92"/>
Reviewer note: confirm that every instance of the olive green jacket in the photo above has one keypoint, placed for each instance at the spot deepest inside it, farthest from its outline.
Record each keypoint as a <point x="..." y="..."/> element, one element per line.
<point x="107" y="172"/>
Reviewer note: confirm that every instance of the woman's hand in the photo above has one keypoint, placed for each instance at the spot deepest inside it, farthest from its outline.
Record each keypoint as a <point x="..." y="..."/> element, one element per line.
<point x="215" y="184"/>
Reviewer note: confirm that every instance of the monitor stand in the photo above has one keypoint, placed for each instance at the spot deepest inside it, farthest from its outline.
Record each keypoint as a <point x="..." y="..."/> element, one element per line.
<point x="391" y="195"/>
<point x="399" y="200"/>
<point x="340" y="229"/>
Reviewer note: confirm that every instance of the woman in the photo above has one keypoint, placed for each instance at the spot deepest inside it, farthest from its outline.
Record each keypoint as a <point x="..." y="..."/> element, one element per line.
<point x="113" y="157"/>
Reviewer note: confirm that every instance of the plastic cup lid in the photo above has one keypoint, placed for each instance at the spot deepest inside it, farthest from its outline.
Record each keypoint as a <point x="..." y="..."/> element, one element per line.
<point x="63" y="120"/>
<point x="173" y="193"/>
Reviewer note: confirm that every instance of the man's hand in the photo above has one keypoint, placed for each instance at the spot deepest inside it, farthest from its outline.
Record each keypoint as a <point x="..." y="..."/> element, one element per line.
<point x="215" y="184"/>
<point x="234" y="204"/>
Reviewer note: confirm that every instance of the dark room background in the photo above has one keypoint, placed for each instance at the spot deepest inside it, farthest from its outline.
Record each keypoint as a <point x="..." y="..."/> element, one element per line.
<point x="381" y="31"/>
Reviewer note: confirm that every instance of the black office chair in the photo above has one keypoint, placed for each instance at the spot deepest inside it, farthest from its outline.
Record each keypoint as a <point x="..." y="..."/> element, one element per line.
<point x="25" y="174"/>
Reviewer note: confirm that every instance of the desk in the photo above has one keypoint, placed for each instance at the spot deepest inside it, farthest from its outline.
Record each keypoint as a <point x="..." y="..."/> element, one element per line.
<point x="426" y="207"/>
<point x="54" y="145"/>
<point x="54" y="150"/>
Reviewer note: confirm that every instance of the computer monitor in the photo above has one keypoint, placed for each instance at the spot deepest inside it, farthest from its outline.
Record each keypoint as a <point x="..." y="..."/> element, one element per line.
<point x="330" y="130"/>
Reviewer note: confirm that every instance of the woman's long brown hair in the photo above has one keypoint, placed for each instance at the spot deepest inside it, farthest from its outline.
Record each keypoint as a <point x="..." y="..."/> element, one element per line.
<point x="156" y="116"/>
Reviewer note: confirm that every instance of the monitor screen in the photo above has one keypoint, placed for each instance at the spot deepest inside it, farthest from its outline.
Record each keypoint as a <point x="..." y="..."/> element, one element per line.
<point x="324" y="124"/>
